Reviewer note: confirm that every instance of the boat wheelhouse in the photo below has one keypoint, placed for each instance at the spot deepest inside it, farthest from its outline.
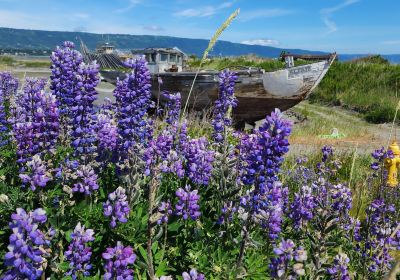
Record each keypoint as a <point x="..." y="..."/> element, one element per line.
<point x="160" y="60"/>
<point x="105" y="48"/>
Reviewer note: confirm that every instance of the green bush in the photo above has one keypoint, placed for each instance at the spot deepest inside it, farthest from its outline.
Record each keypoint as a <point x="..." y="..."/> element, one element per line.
<point x="6" y="60"/>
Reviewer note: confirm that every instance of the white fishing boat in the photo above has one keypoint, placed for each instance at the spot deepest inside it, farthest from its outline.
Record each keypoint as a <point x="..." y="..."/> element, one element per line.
<point x="258" y="92"/>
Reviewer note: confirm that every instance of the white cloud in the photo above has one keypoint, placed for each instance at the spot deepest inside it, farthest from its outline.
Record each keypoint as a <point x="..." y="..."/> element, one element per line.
<point x="326" y="14"/>
<point x="204" y="11"/>
<point x="261" y="42"/>
<point x="65" y="22"/>
<point x="391" y="42"/>
<point x="81" y="16"/>
<point x="18" y="20"/>
<point x="155" y="28"/>
<point x="130" y="6"/>
<point x="79" y="29"/>
<point x="264" y="13"/>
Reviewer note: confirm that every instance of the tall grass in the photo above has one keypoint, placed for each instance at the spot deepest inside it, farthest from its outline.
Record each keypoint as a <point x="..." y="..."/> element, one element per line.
<point x="11" y="61"/>
<point x="369" y="88"/>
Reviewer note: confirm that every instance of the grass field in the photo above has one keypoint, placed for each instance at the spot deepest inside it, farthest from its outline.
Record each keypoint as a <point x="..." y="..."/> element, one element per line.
<point x="22" y="62"/>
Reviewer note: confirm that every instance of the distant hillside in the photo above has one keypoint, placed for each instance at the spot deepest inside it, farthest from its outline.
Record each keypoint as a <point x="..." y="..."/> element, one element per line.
<point x="22" y="39"/>
<point x="392" y="58"/>
<point x="47" y="40"/>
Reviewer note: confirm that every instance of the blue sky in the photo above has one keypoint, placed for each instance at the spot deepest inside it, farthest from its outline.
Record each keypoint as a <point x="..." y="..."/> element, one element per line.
<point x="345" y="26"/>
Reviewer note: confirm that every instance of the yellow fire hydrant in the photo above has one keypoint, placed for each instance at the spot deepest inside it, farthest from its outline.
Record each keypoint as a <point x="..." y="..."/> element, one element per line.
<point x="392" y="165"/>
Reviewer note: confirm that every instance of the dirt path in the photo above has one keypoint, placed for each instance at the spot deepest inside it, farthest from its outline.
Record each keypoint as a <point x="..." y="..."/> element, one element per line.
<point x="321" y="120"/>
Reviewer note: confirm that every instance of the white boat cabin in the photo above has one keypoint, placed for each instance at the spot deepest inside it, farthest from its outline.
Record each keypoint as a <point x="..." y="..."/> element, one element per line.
<point x="163" y="59"/>
<point x="105" y="48"/>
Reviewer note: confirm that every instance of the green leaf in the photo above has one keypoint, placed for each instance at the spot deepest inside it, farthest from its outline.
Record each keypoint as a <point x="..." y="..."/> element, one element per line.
<point x="68" y="235"/>
<point x="161" y="268"/>
<point x="63" y="266"/>
<point x="142" y="252"/>
<point x="154" y="247"/>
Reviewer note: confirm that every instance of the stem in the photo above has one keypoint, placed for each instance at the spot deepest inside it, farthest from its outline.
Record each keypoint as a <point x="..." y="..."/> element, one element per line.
<point x="150" y="266"/>
<point x="165" y="227"/>
<point x="191" y="88"/>
<point x="243" y="245"/>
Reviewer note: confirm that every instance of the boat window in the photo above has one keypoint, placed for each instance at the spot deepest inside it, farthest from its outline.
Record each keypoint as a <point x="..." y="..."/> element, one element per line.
<point x="164" y="57"/>
<point x="179" y="59"/>
<point x="172" y="58"/>
<point x="153" y="57"/>
<point x="148" y="58"/>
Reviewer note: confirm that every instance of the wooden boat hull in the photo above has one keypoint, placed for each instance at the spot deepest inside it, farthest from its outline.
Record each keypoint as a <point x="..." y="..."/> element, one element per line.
<point x="258" y="92"/>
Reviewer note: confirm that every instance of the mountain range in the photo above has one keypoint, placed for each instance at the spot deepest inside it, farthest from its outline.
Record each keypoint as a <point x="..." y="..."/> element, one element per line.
<point x="23" y="39"/>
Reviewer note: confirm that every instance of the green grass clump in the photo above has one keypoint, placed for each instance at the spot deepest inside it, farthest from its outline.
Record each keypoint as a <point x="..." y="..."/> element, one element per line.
<point x="6" y="60"/>
<point x="37" y="64"/>
<point x="227" y="62"/>
<point x="10" y="61"/>
<point x="369" y="88"/>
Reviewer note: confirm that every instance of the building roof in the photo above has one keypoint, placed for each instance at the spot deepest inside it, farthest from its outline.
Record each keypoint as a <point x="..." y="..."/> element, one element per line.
<point x="173" y="50"/>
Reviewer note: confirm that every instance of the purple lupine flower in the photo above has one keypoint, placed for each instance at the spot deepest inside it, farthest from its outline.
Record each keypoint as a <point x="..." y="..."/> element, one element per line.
<point x="8" y="85"/>
<point x="173" y="164"/>
<point x="327" y="152"/>
<point x="168" y="152"/>
<point x="198" y="161"/>
<point x="225" y="102"/>
<point x="132" y="102"/>
<point x="8" y="89"/>
<point x="45" y="121"/>
<point x="117" y="207"/>
<point x="24" y="123"/>
<point x="28" y="245"/>
<point x="78" y="253"/>
<point x="36" y="124"/>
<point x="187" y="204"/>
<point x="165" y="209"/>
<point x="108" y="107"/>
<point x="86" y="180"/>
<point x="81" y="112"/>
<point x="326" y="160"/>
<point x="374" y="237"/>
<point x="162" y="157"/>
<point x="183" y="135"/>
<point x="193" y="275"/>
<point x="24" y="136"/>
<point x="288" y="260"/>
<point x="267" y="208"/>
<point x="262" y="156"/>
<point x="356" y="229"/>
<point x="227" y="212"/>
<point x="3" y="121"/>
<point x="107" y="132"/>
<point x="117" y="261"/>
<point x="301" y="209"/>
<point x="341" y="197"/>
<point x="26" y="101"/>
<point x="379" y="156"/>
<point x="172" y="106"/>
<point x="37" y="175"/>
<point x="66" y="65"/>
<point x="339" y="270"/>
<point x="157" y="151"/>
<point x="266" y="155"/>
